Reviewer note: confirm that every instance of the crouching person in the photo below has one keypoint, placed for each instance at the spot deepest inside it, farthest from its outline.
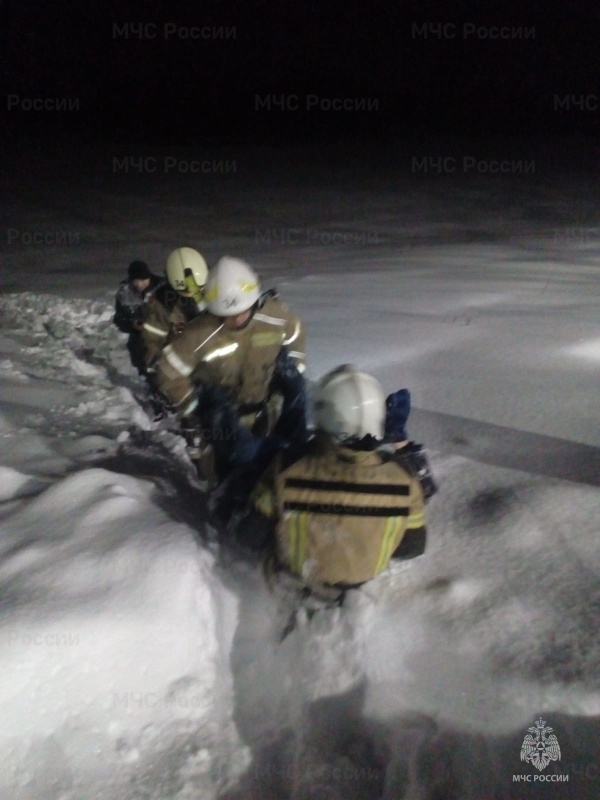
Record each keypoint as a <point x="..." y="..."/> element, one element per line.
<point x="235" y="374"/>
<point x="336" y="511"/>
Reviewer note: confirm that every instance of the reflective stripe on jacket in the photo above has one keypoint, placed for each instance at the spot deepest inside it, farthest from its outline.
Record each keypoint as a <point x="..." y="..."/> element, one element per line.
<point x="240" y="361"/>
<point x="340" y="513"/>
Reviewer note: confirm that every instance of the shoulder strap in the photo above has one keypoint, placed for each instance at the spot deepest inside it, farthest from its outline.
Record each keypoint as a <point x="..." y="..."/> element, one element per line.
<point x="270" y="293"/>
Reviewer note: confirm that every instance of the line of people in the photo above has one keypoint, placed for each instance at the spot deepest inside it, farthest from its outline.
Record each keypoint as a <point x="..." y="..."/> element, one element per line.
<point x="152" y="310"/>
<point x="332" y="506"/>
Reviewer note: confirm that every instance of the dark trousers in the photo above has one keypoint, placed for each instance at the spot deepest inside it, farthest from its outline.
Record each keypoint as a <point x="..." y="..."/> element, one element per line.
<point x="234" y="445"/>
<point x="137" y="351"/>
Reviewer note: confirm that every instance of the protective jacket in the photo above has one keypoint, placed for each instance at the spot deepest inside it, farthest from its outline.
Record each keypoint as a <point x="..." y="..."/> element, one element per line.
<point x="242" y="362"/>
<point x="341" y="514"/>
<point x="167" y="312"/>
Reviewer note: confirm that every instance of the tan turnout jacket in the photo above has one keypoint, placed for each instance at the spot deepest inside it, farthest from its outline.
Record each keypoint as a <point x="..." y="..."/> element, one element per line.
<point x="241" y="361"/>
<point x="340" y="514"/>
<point x="162" y="323"/>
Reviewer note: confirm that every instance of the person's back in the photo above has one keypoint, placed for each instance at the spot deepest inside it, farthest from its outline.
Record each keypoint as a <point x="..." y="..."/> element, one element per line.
<point x="344" y="505"/>
<point x="343" y="512"/>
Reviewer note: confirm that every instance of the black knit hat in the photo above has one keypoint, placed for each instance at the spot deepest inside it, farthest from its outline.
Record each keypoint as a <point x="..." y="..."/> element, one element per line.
<point x="138" y="270"/>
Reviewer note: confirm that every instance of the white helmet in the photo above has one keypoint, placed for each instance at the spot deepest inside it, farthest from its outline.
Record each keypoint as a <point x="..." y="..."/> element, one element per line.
<point x="179" y="262"/>
<point x="350" y="404"/>
<point x="232" y="287"/>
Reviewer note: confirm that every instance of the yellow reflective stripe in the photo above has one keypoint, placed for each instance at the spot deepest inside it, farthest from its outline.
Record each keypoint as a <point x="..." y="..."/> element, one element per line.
<point x="294" y="335"/>
<point x="416" y="520"/>
<point x="381" y="562"/>
<point x="293" y="534"/>
<point x="391" y="544"/>
<point x="264" y="502"/>
<point x="392" y="527"/>
<point x="266" y="338"/>
<point x="156" y="331"/>
<point x="177" y="363"/>
<point x="302" y="539"/>
<point x="298" y="532"/>
<point x="219" y="352"/>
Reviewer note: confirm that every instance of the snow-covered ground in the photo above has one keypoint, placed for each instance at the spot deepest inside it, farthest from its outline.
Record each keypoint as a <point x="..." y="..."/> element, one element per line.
<point x="140" y="659"/>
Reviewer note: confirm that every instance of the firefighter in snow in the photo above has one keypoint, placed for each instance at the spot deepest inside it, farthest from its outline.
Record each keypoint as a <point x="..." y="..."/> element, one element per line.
<point x="338" y="509"/>
<point x="235" y="373"/>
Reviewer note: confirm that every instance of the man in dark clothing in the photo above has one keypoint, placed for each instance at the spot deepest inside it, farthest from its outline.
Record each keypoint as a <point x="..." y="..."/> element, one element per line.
<point x="130" y="306"/>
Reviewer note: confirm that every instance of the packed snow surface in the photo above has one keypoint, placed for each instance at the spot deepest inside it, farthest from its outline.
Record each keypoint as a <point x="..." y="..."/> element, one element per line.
<point x="142" y="659"/>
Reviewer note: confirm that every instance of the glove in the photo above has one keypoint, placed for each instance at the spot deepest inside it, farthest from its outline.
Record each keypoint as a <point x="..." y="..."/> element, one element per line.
<point x="397" y="407"/>
<point x="414" y="458"/>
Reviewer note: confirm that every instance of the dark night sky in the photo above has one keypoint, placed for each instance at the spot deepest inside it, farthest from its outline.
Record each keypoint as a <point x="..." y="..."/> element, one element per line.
<point x="176" y="88"/>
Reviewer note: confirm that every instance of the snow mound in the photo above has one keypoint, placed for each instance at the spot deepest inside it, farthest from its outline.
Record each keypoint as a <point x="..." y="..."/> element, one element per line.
<point x="115" y="647"/>
<point x="14" y="484"/>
